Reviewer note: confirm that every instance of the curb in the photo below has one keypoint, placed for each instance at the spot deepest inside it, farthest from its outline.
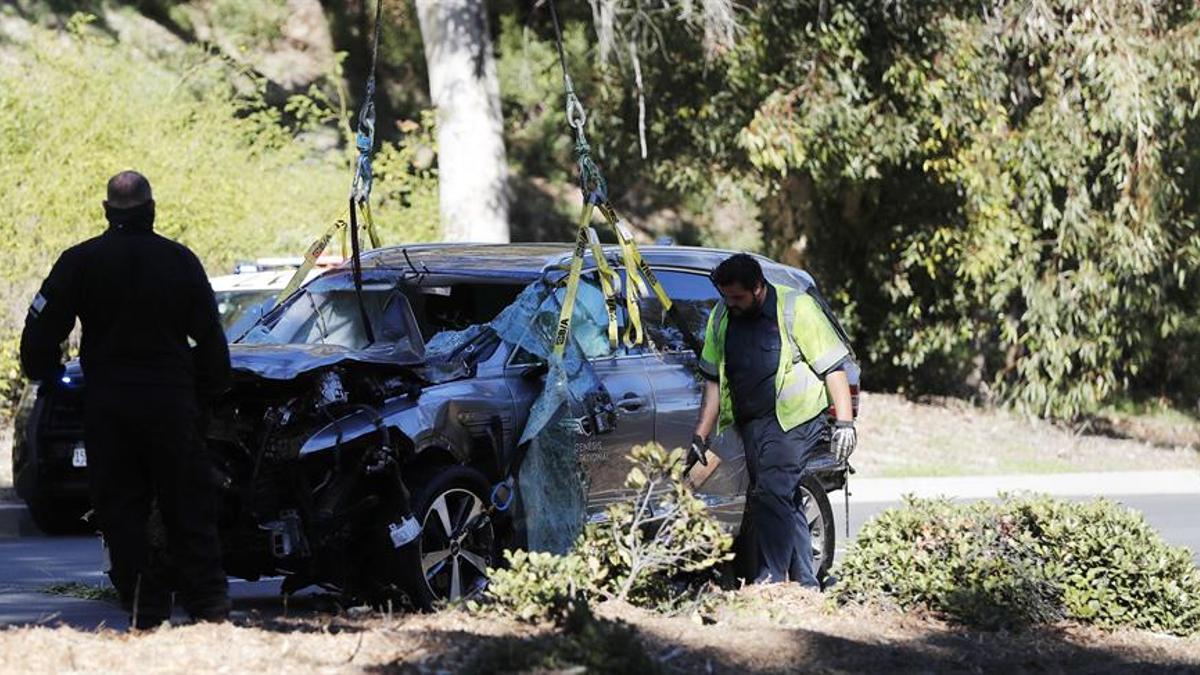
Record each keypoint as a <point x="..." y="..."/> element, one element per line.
<point x="1100" y="484"/>
<point x="15" y="521"/>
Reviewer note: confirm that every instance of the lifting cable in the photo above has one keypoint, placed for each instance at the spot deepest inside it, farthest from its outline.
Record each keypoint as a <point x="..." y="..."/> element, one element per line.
<point x="360" y="198"/>
<point x="360" y="186"/>
<point x="640" y="279"/>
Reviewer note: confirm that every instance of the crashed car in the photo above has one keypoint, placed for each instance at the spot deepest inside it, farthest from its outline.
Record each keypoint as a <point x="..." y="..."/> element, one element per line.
<point x="374" y="441"/>
<point x="49" y="459"/>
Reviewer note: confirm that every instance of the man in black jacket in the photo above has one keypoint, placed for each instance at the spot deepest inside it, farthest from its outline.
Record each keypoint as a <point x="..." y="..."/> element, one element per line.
<point x="139" y="298"/>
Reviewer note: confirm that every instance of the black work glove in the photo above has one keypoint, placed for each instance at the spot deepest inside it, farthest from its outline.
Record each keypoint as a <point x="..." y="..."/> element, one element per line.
<point x="843" y="440"/>
<point x="698" y="451"/>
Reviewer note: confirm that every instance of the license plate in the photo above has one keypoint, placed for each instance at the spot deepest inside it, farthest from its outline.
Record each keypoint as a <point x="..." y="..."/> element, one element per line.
<point x="79" y="458"/>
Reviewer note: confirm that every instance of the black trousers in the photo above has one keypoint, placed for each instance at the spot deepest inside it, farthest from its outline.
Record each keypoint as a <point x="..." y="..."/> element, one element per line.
<point x="145" y="445"/>
<point x="779" y="539"/>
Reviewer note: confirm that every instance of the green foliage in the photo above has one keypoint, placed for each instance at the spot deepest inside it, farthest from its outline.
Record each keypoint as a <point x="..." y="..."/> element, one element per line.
<point x="645" y="542"/>
<point x="664" y="530"/>
<point x="232" y="180"/>
<point x="539" y="586"/>
<point x="1055" y="252"/>
<point x="82" y="591"/>
<point x="1024" y="561"/>
<point x="10" y="373"/>
<point x="1001" y="200"/>
<point x="250" y="23"/>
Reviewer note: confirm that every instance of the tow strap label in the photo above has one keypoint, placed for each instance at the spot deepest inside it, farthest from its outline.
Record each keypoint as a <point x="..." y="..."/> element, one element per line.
<point x="404" y="531"/>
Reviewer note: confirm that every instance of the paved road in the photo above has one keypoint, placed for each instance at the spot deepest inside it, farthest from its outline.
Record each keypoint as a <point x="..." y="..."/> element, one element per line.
<point x="30" y="562"/>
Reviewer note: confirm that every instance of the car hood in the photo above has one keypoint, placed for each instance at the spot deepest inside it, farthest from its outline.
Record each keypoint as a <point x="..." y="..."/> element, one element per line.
<point x="289" y="361"/>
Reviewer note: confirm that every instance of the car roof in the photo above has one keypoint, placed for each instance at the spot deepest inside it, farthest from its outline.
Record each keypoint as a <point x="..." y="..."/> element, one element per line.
<point x="271" y="280"/>
<point x="525" y="260"/>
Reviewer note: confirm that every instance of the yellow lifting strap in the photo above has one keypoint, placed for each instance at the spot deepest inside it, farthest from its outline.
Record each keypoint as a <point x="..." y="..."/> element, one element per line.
<point x="640" y="280"/>
<point x="310" y="259"/>
<point x="608" y="279"/>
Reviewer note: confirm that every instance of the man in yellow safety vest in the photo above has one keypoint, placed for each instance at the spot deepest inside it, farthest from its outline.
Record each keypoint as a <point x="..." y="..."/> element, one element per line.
<point x="773" y="362"/>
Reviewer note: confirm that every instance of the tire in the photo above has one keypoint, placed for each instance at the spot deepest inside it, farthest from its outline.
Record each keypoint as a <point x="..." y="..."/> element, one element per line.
<point x="448" y="566"/>
<point x="815" y="502"/>
<point x="59" y="517"/>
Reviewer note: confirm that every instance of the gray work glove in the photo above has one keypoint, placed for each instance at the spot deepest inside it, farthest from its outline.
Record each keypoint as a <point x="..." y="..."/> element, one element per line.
<point x="843" y="440"/>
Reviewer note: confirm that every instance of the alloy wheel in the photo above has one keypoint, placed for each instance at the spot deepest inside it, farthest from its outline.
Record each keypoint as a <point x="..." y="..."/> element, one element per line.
<point x="816" y="524"/>
<point x="456" y="548"/>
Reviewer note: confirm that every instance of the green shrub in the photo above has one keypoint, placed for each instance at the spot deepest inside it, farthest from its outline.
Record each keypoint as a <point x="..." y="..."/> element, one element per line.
<point x="632" y="559"/>
<point x="10" y="374"/>
<point x="231" y="179"/>
<point x="1024" y="561"/>
<point x="539" y="586"/>
<point x="645" y="542"/>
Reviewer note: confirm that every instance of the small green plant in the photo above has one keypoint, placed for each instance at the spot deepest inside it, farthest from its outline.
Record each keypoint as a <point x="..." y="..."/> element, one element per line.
<point x="82" y="591"/>
<point x="539" y="586"/>
<point x="661" y="532"/>
<point x="1024" y="561"/>
<point x="10" y="373"/>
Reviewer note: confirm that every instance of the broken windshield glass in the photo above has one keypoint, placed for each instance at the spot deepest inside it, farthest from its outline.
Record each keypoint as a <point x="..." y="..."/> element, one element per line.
<point x="327" y="313"/>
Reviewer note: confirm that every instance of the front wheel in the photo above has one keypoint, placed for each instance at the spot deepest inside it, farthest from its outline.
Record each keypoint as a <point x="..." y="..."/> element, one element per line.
<point x="819" y="514"/>
<point x="457" y="542"/>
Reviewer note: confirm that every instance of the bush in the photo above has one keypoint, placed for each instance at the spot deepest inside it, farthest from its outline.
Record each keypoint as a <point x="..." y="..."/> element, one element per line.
<point x="643" y="545"/>
<point x="10" y="374"/>
<point x="1024" y="561"/>
<point x="233" y="181"/>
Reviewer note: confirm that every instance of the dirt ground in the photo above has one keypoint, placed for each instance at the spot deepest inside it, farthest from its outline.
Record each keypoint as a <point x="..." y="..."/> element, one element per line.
<point x="898" y="438"/>
<point x="754" y="630"/>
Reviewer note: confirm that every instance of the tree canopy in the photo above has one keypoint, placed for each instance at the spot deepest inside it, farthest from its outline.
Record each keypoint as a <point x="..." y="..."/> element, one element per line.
<point x="1000" y="198"/>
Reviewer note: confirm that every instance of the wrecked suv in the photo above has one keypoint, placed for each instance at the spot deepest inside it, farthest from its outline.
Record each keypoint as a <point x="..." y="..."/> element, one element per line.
<point x="395" y="440"/>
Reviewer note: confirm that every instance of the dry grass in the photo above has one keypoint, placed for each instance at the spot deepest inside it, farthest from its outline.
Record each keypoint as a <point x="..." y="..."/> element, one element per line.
<point x="772" y="629"/>
<point x="898" y="437"/>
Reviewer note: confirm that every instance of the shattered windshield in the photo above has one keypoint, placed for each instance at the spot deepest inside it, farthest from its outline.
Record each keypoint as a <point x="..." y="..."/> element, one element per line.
<point x="327" y="313"/>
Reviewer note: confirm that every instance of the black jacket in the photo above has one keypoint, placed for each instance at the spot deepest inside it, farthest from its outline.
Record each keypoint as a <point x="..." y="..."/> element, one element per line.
<point x="139" y="297"/>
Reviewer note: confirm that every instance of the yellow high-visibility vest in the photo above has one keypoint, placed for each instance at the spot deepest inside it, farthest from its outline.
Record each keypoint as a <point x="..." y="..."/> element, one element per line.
<point x="809" y="348"/>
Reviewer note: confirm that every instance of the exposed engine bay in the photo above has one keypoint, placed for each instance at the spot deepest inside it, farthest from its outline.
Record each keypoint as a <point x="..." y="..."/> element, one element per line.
<point x="298" y="508"/>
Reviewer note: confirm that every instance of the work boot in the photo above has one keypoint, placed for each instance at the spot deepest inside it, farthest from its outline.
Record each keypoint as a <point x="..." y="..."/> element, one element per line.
<point x="213" y="611"/>
<point x="146" y="622"/>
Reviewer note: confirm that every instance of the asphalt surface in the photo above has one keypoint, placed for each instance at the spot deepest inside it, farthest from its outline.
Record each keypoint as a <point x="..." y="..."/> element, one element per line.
<point x="31" y="563"/>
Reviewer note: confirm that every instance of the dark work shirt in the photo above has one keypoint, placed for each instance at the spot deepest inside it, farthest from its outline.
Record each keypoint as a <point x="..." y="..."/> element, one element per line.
<point x="752" y="346"/>
<point x="139" y="297"/>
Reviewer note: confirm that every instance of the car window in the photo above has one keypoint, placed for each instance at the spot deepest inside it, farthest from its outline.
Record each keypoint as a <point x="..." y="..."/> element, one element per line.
<point x="232" y="305"/>
<point x="694" y="296"/>
<point x="331" y="316"/>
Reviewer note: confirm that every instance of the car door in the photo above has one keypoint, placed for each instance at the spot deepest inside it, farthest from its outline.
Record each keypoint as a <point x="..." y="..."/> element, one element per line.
<point x="603" y="450"/>
<point x="678" y="386"/>
<point x="605" y="456"/>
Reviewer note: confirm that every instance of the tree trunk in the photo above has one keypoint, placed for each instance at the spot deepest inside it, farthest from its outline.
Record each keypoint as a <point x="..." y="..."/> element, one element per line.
<point x="472" y="169"/>
<point x="790" y="217"/>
